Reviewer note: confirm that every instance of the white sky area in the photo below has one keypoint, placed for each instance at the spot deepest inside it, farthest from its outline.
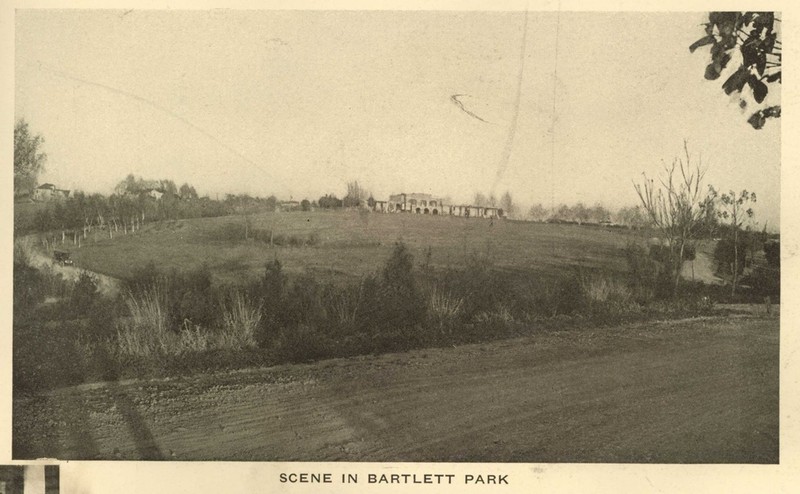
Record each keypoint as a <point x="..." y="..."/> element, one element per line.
<point x="34" y="480"/>
<point x="298" y="103"/>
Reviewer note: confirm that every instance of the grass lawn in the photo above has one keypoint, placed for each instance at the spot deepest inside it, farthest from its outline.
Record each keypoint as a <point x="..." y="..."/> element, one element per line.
<point x="353" y="244"/>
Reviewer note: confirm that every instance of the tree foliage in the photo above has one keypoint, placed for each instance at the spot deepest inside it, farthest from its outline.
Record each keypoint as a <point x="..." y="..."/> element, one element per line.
<point x="29" y="159"/>
<point x="752" y="40"/>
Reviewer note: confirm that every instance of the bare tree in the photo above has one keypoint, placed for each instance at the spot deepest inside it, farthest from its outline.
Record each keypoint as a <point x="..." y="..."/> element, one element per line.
<point x="733" y="209"/>
<point x="677" y="206"/>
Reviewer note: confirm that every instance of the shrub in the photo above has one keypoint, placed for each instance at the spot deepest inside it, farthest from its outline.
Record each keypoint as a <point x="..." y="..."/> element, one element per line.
<point x="271" y="293"/>
<point x="648" y="278"/>
<point x="479" y="285"/>
<point x="190" y="297"/>
<point x="401" y="304"/>
<point x="305" y="302"/>
<point x="241" y="318"/>
<point x="84" y="295"/>
<point x="765" y="281"/>
<point x="28" y="290"/>
<point x="772" y="251"/>
<point x="443" y="308"/>
<point x="605" y="289"/>
<point x="101" y="320"/>
<point x="302" y="344"/>
<point x="724" y="254"/>
<point x="568" y="296"/>
<point x="145" y="334"/>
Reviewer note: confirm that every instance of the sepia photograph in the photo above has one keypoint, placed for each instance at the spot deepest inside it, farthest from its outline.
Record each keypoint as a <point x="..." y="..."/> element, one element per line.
<point x="462" y="236"/>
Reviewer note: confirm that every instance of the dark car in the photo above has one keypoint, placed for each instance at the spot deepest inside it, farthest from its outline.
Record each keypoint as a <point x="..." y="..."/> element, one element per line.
<point x="62" y="258"/>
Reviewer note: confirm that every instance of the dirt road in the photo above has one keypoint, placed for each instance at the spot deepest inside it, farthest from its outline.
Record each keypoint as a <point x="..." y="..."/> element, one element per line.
<point x="105" y="284"/>
<point x="690" y="391"/>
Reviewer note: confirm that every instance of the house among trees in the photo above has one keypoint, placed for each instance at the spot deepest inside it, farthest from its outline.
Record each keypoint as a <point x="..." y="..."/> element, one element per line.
<point x="154" y="193"/>
<point x="49" y="192"/>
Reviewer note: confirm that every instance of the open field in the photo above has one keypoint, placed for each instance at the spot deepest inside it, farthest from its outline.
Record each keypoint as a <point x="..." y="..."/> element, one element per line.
<point x="699" y="390"/>
<point x="351" y="244"/>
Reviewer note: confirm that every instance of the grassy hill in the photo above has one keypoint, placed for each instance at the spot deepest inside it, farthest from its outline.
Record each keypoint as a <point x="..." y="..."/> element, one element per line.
<point x="347" y="244"/>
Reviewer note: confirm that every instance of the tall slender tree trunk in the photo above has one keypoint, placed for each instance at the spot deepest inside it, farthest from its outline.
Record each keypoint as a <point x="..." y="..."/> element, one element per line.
<point x="735" y="259"/>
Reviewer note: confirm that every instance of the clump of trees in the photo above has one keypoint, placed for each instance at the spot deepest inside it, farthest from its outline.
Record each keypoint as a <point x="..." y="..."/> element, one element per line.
<point x="627" y="216"/>
<point x="136" y="201"/>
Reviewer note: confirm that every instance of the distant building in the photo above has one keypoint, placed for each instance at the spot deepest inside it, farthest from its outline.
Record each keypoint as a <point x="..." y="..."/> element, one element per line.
<point x="289" y="206"/>
<point x="414" y="203"/>
<point x="49" y="192"/>
<point x="428" y="204"/>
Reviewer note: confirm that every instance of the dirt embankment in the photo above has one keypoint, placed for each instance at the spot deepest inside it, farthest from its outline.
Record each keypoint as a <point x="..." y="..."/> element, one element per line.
<point x="703" y="390"/>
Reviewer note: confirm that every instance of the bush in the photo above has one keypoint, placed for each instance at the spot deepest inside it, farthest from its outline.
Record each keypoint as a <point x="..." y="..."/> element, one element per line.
<point x="145" y="334"/>
<point x="84" y="295"/>
<point x="772" y="251"/>
<point x="271" y="292"/>
<point x="479" y="284"/>
<point x="401" y="301"/>
<point x="303" y="344"/>
<point x="241" y="319"/>
<point x="724" y="255"/>
<point x="765" y="281"/>
<point x="29" y="290"/>
<point x="603" y="289"/>
<point x="649" y="278"/>
<point x="444" y="309"/>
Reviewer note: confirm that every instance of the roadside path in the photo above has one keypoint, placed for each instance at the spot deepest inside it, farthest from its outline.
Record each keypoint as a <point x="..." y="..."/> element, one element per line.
<point x="105" y="284"/>
<point x="693" y="391"/>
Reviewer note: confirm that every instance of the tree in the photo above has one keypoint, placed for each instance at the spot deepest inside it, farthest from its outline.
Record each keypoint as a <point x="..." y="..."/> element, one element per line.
<point x="733" y="209"/>
<point x="187" y="192"/>
<point x="329" y="201"/>
<point x="29" y="159"/>
<point x="507" y="205"/>
<point x="677" y="208"/>
<point x="632" y="217"/>
<point x="356" y="195"/>
<point x="538" y="212"/>
<point x="754" y="37"/>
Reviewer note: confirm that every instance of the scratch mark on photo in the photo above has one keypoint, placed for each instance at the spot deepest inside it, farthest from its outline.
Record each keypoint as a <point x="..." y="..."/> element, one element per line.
<point x="460" y="104"/>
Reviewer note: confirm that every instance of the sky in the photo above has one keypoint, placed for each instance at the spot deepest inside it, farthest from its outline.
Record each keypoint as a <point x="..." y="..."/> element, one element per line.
<point x="552" y="107"/>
